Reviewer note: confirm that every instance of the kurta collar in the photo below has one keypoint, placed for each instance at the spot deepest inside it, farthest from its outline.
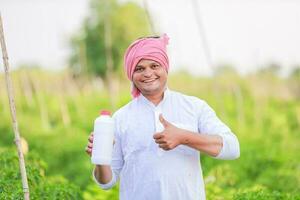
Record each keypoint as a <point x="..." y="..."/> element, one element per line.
<point x="144" y="100"/>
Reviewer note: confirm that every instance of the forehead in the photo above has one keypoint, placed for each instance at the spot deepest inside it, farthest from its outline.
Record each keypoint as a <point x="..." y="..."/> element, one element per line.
<point x="146" y="62"/>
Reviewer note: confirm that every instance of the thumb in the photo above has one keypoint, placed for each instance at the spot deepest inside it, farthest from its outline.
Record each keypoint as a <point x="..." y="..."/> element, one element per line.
<point x="164" y="122"/>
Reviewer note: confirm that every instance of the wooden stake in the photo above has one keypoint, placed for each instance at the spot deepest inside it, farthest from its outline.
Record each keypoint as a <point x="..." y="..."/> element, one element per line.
<point x="13" y="113"/>
<point x="63" y="105"/>
<point x="152" y="28"/>
<point x="41" y="103"/>
<point x="109" y="57"/>
<point x="26" y="88"/>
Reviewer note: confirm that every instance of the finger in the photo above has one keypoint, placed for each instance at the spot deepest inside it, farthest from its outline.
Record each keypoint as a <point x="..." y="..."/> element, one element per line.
<point x="88" y="150"/>
<point x="164" y="146"/>
<point x="160" y="141"/>
<point x="90" y="145"/>
<point x="158" y="136"/>
<point x="91" y="138"/>
<point x="162" y="120"/>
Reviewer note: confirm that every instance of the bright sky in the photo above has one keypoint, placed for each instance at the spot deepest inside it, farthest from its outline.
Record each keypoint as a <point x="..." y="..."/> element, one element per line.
<point x="245" y="33"/>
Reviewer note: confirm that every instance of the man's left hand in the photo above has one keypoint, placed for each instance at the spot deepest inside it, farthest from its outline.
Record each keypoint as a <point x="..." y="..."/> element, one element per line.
<point x="171" y="137"/>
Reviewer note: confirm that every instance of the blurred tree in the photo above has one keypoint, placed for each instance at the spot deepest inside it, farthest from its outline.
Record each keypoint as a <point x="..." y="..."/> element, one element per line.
<point x="225" y="69"/>
<point x="104" y="36"/>
<point x="271" y="69"/>
<point x="295" y="74"/>
<point x="294" y="81"/>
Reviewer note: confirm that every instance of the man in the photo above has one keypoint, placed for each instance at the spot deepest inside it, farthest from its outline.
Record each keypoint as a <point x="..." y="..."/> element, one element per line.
<point x="160" y="133"/>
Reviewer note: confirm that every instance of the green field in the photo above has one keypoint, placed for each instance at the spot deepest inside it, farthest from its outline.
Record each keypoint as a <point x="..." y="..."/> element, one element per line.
<point x="56" y="112"/>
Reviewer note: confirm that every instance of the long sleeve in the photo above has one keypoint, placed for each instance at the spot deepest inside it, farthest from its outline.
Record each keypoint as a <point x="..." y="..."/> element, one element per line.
<point x="209" y="123"/>
<point x="117" y="161"/>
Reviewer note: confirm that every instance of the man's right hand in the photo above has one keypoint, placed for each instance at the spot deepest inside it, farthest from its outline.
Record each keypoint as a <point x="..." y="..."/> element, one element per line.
<point x="89" y="147"/>
<point x="102" y="173"/>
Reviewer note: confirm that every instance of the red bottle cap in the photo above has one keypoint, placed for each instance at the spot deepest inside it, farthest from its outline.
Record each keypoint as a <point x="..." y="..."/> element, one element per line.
<point x="105" y="112"/>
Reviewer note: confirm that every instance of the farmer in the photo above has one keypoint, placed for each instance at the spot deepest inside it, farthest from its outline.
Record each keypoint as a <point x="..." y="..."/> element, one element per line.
<point x="160" y="133"/>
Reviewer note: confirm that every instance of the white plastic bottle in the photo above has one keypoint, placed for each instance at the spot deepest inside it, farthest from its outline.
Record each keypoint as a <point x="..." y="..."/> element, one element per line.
<point x="103" y="139"/>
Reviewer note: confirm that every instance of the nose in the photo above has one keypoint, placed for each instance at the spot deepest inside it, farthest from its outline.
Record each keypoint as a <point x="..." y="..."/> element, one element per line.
<point x="148" y="72"/>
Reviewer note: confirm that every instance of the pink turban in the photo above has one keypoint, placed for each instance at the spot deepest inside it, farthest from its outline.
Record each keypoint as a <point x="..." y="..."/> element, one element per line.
<point x="145" y="48"/>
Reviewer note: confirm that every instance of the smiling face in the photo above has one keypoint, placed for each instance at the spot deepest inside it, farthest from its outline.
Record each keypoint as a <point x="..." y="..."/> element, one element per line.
<point x="149" y="77"/>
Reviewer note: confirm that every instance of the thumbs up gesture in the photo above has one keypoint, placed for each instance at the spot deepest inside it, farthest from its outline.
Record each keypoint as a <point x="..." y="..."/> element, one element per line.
<point x="169" y="138"/>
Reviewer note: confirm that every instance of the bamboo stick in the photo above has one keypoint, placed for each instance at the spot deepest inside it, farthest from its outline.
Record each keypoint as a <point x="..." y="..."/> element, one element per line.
<point x="239" y="106"/>
<point x="146" y="7"/>
<point x="109" y="57"/>
<point x="26" y="88"/>
<point x="202" y="33"/>
<point x="75" y="90"/>
<point x="41" y="103"/>
<point x="63" y="105"/>
<point x="207" y="53"/>
<point x="13" y="113"/>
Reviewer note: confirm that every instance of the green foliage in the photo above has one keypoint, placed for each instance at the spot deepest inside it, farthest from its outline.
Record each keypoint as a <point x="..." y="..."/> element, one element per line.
<point x="266" y="122"/>
<point x="40" y="186"/>
<point x="93" y="192"/>
<point x="261" y="193"/>
<point x="127" y="22"/>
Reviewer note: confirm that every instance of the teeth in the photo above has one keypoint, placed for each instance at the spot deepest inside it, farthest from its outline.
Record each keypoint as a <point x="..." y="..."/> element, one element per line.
<point x="147" y="81"/>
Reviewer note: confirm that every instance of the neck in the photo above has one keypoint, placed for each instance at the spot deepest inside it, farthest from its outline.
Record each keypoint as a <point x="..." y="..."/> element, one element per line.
<point x="155" y="98"/>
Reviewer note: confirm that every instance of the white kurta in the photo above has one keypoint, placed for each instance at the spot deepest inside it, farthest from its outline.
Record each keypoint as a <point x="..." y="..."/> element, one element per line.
<point x="148" y="172"/>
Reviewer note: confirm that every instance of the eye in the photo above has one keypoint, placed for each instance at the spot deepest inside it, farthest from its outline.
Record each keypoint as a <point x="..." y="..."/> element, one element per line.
<point x="139" y="69"/>
<point x="155" y="66"/>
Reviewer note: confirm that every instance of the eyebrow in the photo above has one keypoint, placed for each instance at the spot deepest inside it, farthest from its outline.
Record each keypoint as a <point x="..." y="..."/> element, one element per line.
<point x="152" y="63"/>
<point x="154" y="36"/>
<point x="139" y="66"/>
